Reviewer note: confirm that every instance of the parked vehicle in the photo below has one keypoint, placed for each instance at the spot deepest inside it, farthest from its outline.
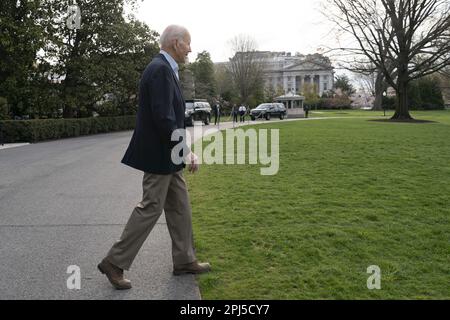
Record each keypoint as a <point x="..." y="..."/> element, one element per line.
<point x="197" y="110"/>
<point x="268" y="110"/>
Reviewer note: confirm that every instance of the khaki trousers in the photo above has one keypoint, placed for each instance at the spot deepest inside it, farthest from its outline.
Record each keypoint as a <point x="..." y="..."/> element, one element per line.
<point x="168" y="192"/>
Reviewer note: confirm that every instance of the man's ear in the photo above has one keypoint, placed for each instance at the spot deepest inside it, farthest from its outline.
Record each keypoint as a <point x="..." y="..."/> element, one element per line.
<point x="176" y="43"/>
<point x="173" y="45"/>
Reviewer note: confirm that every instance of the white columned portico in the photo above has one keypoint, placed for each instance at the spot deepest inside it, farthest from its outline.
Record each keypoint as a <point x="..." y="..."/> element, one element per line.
<point x="313" y="84"/>
<point x="320" y="85"/>
<point x="294" y="83"/>
<point x="294" y="104"/>
<point x="302" y="83"/>
<point x="285" y="83"/>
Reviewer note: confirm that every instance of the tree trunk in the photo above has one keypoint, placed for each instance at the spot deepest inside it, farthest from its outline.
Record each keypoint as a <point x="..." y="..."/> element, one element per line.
<point x="67" y="99"/>
<point x="70" y="83"/>
<point x="378" y="103"/>
<point x="402" y="109"/>
<point x="379" y="89"/>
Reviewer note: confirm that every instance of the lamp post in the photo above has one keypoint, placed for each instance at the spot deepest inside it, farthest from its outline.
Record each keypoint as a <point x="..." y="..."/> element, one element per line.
<point x="384" y="104"/>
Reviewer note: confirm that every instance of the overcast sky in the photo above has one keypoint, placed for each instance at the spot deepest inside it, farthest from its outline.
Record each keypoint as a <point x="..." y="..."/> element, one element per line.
<point x="276" y="25"/>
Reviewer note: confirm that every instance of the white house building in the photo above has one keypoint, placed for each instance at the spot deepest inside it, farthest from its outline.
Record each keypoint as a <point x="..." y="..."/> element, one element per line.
<point x="291" y="72"/>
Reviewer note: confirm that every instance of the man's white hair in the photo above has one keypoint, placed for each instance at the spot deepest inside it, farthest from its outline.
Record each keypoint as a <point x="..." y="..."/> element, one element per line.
<point x="172" y="32"/>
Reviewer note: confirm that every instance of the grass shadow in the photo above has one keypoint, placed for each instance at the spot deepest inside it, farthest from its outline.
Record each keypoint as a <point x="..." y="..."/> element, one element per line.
<point x="414" y="121"/>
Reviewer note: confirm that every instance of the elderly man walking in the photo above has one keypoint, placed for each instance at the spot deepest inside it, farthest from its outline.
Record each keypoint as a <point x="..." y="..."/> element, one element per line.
<point x="161" y="112"/>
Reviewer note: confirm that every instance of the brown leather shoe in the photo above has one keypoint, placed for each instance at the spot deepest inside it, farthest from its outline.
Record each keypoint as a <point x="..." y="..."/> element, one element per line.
<point x="194" y="268"/>
<point x="114" y="274"/>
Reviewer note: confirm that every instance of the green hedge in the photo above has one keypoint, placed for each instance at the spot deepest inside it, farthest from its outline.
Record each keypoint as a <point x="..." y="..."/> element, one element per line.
<point x="12" y="131"/>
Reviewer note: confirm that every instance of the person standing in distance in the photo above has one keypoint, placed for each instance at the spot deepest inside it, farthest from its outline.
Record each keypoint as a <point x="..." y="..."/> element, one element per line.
<point x="216" y="111"/>
<point x="161" y="112"/>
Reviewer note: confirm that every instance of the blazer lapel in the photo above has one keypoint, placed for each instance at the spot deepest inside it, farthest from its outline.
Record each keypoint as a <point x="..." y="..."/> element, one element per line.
<point x="177" y="82"/>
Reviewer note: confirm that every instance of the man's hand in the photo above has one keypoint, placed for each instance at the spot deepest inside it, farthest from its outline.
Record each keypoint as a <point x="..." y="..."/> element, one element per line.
<point x="193" y="163"/>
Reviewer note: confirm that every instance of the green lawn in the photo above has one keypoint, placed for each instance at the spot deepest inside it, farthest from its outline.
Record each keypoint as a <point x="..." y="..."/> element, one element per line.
<point x="369" y="113"/>
<point x="347" y="113"/>
<point x="350" y="193"/>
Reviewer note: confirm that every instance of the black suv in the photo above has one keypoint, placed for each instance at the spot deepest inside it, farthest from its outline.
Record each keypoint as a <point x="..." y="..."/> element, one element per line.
<point x="197" y="110"/>
<point x="268" y="110"/>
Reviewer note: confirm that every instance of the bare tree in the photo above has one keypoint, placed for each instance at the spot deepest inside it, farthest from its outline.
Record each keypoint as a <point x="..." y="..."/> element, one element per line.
<point x="404" y="39"/>
<point x="245" y="66"/>
<point x="444" y="78"/>
<point x="445" y="71"/>
<point x="373" y="83"/>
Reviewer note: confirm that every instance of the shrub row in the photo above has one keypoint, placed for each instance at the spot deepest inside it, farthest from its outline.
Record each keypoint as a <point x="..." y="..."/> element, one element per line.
<point x="12" y="131"/>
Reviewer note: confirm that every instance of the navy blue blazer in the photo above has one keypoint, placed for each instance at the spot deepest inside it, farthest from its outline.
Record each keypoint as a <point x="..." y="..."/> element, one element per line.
<point x="161" y="111"/>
